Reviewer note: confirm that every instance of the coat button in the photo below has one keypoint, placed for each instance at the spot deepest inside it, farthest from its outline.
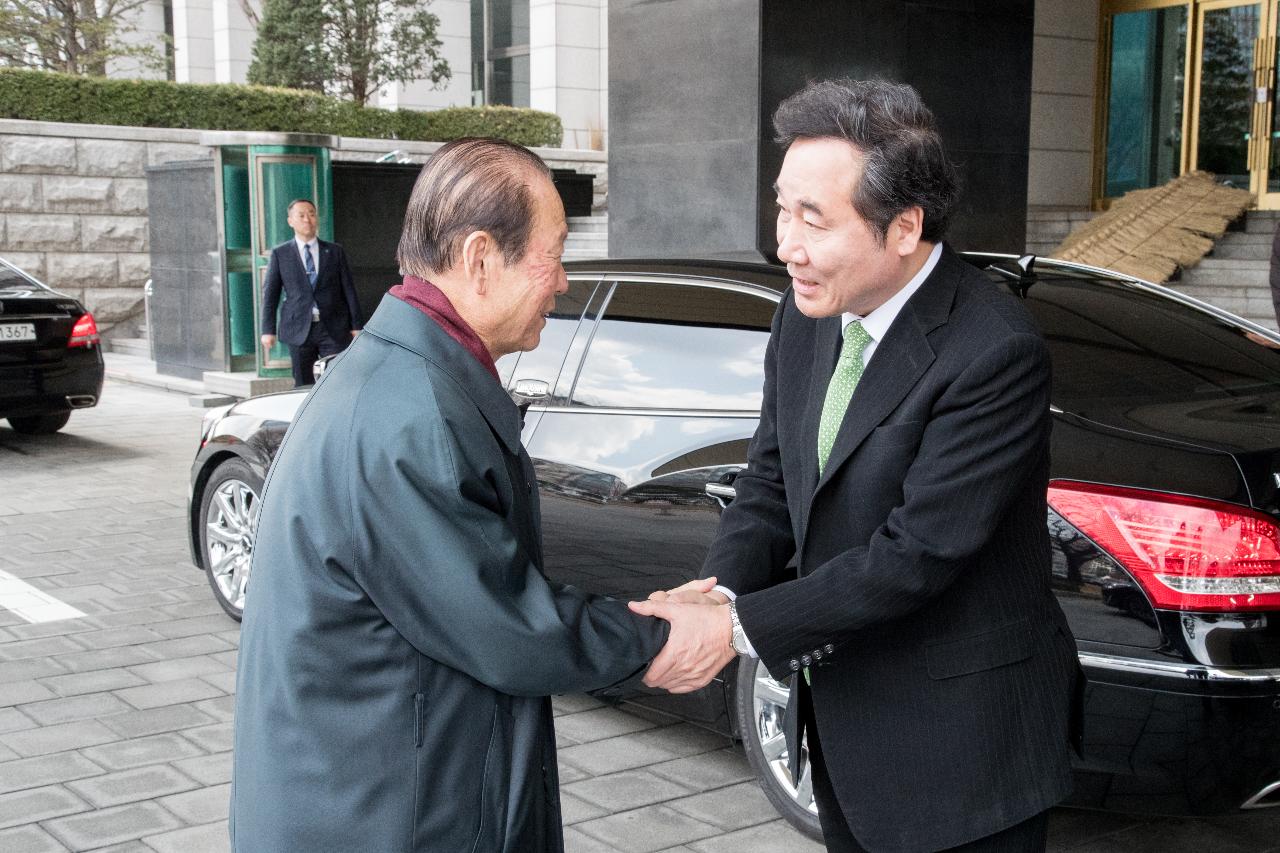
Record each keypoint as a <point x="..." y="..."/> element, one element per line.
<point x="795" y="664"/>
<point x="806" y="660"/>
<point x="828" y="648"/>
<point x="817" y="654"/>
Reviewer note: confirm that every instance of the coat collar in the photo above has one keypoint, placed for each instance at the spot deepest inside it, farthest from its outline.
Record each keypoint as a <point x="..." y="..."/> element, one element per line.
<point x="400" y="323"/>
<point x="898" y="363"/>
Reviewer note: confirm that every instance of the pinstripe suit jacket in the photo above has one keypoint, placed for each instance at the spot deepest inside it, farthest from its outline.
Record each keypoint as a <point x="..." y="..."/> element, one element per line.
<point x="914" y="573"/>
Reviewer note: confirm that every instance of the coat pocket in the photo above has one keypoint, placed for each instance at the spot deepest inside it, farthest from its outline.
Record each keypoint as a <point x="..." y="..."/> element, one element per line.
<point x="1000" y="646"/>
<point x="493" y="785"/>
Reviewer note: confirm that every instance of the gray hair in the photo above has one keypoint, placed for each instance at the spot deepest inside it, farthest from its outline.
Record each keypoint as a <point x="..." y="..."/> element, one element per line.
<point x="469" y="185"/>
<point x="905" y="164"/>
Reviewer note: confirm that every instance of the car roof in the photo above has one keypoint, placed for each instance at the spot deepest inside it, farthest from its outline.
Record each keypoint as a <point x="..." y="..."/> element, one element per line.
<point x="772" y="276"/>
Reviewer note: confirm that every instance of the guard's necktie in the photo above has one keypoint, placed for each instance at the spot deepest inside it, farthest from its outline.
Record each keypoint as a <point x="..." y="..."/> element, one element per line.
<point x="840" y="389"/>
<point x="310" y="264"/>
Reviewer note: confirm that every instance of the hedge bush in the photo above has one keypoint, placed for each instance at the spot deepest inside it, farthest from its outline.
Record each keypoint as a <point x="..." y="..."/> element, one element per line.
<point x="49" y="96"/>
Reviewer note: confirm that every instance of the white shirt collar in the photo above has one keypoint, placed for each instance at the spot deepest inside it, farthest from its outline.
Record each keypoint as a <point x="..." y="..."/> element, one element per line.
<point x="877" y="323"/>
<point x="314" y="243"/>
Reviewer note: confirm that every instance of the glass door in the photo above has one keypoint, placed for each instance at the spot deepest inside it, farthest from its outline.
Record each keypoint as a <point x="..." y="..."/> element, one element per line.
<point x="1225" y="96"/>
<point x="278" y="174"/>
<point x="1145" y="93"/>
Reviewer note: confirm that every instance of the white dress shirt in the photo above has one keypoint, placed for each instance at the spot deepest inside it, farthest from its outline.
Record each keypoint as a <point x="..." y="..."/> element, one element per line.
<point x="877" y="325"/>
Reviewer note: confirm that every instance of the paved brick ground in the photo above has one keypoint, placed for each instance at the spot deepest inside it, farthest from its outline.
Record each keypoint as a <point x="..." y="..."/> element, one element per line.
<point x="115" y="728"/>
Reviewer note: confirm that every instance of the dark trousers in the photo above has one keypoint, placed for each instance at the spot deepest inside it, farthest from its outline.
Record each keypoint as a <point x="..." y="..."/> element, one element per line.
<point x="303" y="357"/>
<point x="1030" y="836"/>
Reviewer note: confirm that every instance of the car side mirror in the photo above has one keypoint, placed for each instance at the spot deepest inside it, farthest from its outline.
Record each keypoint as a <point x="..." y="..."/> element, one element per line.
<point x="529" y="391"/>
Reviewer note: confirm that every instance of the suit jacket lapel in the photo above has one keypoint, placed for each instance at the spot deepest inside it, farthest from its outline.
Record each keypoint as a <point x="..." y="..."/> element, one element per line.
<point x="896" y="365"/>
<point x="826" y="349"/>
<point x="323" y="263"/>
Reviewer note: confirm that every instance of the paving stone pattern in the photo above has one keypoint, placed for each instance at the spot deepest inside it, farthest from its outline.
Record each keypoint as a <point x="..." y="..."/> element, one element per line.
<point x="115" y="729"/>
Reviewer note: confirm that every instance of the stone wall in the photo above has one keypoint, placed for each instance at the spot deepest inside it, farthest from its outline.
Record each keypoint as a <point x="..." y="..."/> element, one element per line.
<point x="73" y="201"/>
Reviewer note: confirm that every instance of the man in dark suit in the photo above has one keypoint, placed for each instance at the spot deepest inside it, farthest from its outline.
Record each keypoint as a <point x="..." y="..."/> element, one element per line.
<point x="887" y="545"/>
<point x="400" y="640"/>
<point x="321" y="314"/>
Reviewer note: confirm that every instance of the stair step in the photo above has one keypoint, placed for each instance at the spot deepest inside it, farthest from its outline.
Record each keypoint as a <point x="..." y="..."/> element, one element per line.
<point x="1229" y="264"/>
<point x="1246" y="238"/>
<point x="1256" y="224"/>
<point x="130" y="346"/>
<point x="1238" y="281"/>
<point x="244" y="384"/>
<point x="587" y="224"/>
<point x="1241" y="252"/>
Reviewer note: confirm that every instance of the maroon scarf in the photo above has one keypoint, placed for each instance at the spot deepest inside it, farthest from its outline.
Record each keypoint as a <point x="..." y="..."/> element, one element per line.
<point x="430" y="300"/>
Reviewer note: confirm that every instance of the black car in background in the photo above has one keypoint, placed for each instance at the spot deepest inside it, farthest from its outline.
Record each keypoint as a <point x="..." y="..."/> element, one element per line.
<point x="50" y="360"/>
<point x="1164" y="502"/>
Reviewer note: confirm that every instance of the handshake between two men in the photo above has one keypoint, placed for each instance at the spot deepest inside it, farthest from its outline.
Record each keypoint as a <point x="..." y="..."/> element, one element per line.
<point x="700" y="643"/>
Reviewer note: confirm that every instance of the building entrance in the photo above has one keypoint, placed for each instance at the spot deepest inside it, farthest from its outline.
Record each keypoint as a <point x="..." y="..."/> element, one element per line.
<point x="1189" y="86"/>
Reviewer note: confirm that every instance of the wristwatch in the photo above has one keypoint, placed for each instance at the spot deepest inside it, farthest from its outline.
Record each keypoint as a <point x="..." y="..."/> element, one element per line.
<point x="739" y="640"/>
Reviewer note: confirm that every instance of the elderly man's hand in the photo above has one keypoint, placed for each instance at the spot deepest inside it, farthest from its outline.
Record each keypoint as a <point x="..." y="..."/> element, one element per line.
<point x="699" y="646"/>
<point x="694" y="592"/>
<point x="268" y="341"/>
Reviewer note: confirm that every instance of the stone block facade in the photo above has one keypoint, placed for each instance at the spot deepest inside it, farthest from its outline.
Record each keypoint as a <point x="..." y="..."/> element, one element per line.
<point x="73" y="202"/>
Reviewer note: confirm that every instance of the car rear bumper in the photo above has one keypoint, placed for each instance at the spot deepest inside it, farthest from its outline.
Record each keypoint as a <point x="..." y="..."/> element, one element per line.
<point x="1171" y="738"/>
<point x="70" y="383"/>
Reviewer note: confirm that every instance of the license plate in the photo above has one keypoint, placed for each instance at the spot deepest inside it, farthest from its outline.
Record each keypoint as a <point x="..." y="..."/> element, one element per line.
<point x="17" y="332"/>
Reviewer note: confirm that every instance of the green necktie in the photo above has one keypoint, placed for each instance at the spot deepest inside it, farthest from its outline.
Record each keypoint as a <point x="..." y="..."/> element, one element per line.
<point x="840" y="389"/>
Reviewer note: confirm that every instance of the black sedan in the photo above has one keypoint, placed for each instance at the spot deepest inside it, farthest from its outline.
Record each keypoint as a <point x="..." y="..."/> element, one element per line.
<point x="50" y="360"/>
<point x="1164" y="502"/>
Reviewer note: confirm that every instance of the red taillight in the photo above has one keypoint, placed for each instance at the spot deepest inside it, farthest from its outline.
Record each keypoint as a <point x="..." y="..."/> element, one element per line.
<point x="1187" y="553"/>
<point x="84" y="333"/>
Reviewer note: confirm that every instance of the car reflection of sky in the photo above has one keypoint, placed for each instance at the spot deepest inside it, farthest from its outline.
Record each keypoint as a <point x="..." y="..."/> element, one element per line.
<point x="593" y="440"/>
<point x="648" y="365"/>
<point x="629" y="447"/>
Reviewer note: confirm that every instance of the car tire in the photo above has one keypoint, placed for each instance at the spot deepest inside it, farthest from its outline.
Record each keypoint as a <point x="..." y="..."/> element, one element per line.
<point x="759" y="704"/>
<point x="228" y="527"/>
<point x="40" y="424"/>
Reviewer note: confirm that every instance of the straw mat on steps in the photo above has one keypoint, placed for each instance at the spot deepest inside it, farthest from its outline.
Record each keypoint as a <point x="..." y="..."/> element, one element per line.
<point x="1151" y="233"/>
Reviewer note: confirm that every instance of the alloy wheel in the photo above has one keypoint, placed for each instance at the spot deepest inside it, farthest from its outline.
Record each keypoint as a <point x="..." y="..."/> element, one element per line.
<point x="231" y="524"/>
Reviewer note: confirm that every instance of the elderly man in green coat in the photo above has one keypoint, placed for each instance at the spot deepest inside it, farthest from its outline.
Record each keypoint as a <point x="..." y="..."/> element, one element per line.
<point x="400" y="641"/>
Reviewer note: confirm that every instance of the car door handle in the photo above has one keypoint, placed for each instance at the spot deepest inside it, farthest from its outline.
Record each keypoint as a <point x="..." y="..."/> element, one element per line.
<point x="720" y="491"/>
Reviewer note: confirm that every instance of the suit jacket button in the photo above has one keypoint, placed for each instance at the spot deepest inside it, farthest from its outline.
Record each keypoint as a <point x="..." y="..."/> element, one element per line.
<point x="795" y="664"/>
<point x="806" y="660"/>
<point x="828" y="648"/>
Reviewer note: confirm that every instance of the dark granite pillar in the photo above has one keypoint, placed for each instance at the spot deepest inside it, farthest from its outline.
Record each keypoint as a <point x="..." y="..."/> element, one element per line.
<point x="693" y="86"/>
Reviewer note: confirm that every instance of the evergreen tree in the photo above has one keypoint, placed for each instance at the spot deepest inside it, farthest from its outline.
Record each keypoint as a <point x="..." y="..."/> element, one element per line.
<point x="351" y="47"/>
<point x="289" y="50"/>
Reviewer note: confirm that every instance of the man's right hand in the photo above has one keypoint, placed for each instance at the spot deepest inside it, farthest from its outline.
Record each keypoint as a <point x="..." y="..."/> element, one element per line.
<point x="268" y="341"/>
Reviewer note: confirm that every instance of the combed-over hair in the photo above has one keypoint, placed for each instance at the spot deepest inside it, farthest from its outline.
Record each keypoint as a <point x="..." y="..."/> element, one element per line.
<point x="905" y="163"/>
<point x="468" y="185"/>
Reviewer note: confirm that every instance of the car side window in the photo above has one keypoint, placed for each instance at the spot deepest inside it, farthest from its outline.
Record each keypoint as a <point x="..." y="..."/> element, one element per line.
<point x="545" y="361"/>
<point x="665" y="345"/>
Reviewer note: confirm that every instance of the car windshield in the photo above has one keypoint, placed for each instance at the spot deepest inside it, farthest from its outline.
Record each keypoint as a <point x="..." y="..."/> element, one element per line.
<point x="12" y="281"/>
